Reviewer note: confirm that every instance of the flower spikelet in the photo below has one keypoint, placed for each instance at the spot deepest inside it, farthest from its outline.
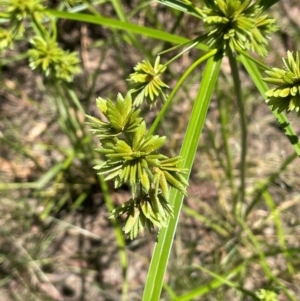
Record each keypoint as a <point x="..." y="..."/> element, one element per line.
<point x="53" y="61"/>
<point x="147" y="81"/>
<point x="6" y="39"/>
<point x="144" y="211"/>
<point x="267" y="295"/>
<point x="286" y="96"/>
<point x="20" y="10"/>
<point x="121" y="116"/>
<point x="237" y="24"/>
<point x="131" y="160"/>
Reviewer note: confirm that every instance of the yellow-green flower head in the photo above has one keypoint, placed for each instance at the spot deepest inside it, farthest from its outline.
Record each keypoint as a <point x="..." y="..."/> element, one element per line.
<point x="6" y="39"/>
<point x="286" y="96"/>
<point x="237" y="24"/>
<point x="121" y="116"/>
<point x="22" y="9"/>
<point x="266" y="295"/>
<point x="53" y="61"/>
<point x="144" y="211"/>
<point x="19" y="10"/>
<point x="147" y="82"/>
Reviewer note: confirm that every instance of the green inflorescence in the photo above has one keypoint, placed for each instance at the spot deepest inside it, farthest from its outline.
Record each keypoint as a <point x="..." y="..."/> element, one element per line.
<point x="286" y="96"/>
<point x="53" y="61"/>
<point x="237" y="24"/>
<point x="147" y="82"/>
<point x="131" y="156"/>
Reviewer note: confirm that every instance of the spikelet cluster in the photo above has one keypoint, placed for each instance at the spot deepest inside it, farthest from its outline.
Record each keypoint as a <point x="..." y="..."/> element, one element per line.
<point x="286" y="96"/>
<point x="238" y="25"/>
<point x="132" y="156"/>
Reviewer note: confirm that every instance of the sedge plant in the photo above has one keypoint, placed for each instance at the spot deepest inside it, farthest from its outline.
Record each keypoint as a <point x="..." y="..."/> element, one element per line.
<point x="131" y="151"/>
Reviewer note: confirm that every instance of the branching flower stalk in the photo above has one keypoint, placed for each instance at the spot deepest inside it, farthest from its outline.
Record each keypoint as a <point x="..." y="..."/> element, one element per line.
<point x="233" y="27"/>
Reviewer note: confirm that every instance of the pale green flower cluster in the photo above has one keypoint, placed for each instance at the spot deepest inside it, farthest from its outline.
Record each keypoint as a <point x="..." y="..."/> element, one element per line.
<point x="237" y="25"/>
<point x="53" y="61"/>
<point x="131" y="156"/>
<point x="45" y="53"/>
<point x="286" y="96"/>
<point x="147" y="82"/>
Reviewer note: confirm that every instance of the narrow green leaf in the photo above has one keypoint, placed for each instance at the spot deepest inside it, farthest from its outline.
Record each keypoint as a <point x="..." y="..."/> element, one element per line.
<point x="181" y="6"/>
<point x="116" y="24"/>
<point x="267" y="3"/>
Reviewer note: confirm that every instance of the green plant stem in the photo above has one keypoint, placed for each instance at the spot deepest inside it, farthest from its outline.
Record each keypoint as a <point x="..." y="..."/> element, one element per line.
<point x="223" y="111"/>
<point x="38" y="27"/>
<point x="190" y="45"/>
<point x="122" y="16"/>
<point x="176" y="88"/>
<point x="226" y="281"/>
<point x="119" y="236"/>
<point x="263" y="259"/>
<point x="162" y="248"/>
<point x="262" y="187"/>
<point x="243" y="124"/>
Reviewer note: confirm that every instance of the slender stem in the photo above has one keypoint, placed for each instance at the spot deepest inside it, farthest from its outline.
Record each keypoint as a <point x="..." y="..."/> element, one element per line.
<point x="243" y="124"/>
<point x="255" y="61"/>
<point x="176" y="88"/>
<point x="262" y="187"/>
<point x="38" y="27"/>
<point x="193" y="43"/>
<point x="224" y="124"/>
<point x="119" y="236"/>
<point x="180" y="54"/>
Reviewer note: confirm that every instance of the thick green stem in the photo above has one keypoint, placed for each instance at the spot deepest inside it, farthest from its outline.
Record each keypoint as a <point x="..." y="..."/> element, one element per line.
<point x="162" y="249"/>
<point x="243" y="124"/>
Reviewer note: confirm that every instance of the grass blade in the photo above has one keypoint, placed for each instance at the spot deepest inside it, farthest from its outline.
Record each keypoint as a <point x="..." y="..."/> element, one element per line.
<point x="181" y="6"/>
<point x="267" y="3"/>
<point x="116" y="24"/>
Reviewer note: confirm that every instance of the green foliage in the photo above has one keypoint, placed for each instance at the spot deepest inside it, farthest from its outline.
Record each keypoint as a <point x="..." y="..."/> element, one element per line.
<point x="129" y="153"/>
<point x="286" y="96"/>
<point x="45" y="54"/>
